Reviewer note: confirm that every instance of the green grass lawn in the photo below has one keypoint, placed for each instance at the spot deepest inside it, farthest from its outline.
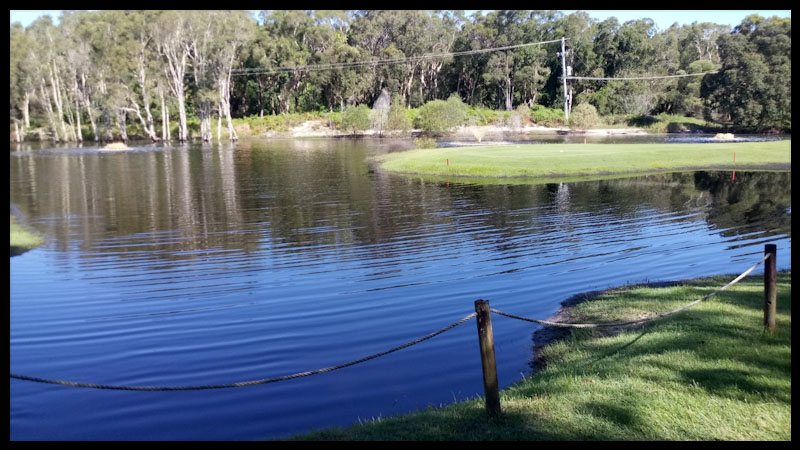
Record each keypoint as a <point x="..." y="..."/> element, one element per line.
<point x="707" y="373"/>
<point x="559" y="161"/>
<point x="22" y="240"/>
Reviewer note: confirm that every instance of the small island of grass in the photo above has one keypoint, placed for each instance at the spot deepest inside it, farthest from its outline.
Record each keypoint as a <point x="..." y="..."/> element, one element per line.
<point x="22" y="240"/>
<point x="553" y="162"/>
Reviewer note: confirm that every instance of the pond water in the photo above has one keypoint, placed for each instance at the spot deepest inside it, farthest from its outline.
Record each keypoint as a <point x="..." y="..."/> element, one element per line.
<point x="223" y="263"/>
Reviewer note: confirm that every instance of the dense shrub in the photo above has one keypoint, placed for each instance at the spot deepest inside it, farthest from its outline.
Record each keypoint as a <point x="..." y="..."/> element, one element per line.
<point x="438" y="116"/>
<point x="545" y="116"/>
<point x="356" y="118"/>
<point x="398" y="119"/>
<point x="583" y="117"/>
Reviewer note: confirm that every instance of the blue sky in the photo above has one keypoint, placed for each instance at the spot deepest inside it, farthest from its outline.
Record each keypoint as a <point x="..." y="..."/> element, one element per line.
<point x="662" y="18"/>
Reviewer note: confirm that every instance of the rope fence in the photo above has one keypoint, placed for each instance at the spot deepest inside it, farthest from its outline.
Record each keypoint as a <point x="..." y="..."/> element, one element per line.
<point x="485" y="337"/>
<point x="244" y="383"/>
<point x="638" y="321"/>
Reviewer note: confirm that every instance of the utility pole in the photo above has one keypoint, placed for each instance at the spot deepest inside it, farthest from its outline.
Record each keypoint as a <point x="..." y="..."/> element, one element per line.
<point x="564" y="78"/>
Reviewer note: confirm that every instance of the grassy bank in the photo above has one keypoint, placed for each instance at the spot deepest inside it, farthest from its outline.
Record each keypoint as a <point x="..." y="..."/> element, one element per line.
<point x="572" y="160"/>
<point x="22" y="240"/>
<point x="706" y="373"/>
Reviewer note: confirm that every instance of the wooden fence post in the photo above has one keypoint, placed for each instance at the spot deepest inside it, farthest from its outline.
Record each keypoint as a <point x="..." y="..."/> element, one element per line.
<point x="486" y="341"/>
<point x="770" y="287"/>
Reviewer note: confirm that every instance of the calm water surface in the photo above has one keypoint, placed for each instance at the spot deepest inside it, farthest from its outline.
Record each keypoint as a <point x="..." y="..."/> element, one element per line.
<point x="216" y="264"/>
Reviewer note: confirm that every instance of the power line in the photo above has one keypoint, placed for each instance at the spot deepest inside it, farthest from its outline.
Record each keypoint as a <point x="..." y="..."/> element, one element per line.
<point x="254" y="71"/>
<point x="641" y="78"/>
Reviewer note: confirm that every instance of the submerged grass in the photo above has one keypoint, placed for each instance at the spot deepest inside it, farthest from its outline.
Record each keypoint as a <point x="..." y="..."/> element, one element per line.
<point x="586" y="160"/>
<point x="22" y="240"/>
<point x="708" y="373"/>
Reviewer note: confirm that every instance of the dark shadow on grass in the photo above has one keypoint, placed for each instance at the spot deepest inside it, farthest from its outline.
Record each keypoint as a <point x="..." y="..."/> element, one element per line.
<point x="735" y="384"/>
<point x="618" y="415"/>
<point x="619" y="350"/>
<point x="16" y="250"/>
<point x="642" y="121"/>
<point x="474" y="424"/>
<point x="688" y="127"/>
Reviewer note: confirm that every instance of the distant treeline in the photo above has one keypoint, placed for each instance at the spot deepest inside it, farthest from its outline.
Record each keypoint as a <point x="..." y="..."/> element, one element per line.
<point x="97" y="71"/>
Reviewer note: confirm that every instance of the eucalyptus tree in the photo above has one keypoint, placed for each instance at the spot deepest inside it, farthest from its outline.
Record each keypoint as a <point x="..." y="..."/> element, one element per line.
<point x="232" y="30"/>
<point x="114" y="64"/>
<point x="289" y="49"/>
<point x="259" y="86"/>
<point x="373" y="33"/>
<point x="171" y="35"/>
<point x="146" y="70"/>
<point x="507" y="29"/>
<point x="699" y="42"/>
<point x="23" y="83"/>
<point x="404" y="36"/>
<point x="202" y="48"/>
<point x="474" y="35"/>
<point x="42" y="50"/>
<point x="340" y="82"/>
<point x="327" y="43"/>
<point x="86" y="44"/>
<point x="753" y="87"/>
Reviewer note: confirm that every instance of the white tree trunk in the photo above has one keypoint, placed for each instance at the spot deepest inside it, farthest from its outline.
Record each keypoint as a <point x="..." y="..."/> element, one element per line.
<point x="169" y="136"/>
<point x="219" y="124"/>
<point x="72" y="134"/>
<point x="57" y="100"/>
<point x="225" y="102"/>
<point x="88" y="105"/>
<point x="148" y="128"/>
<point x="78" y="113"/>
<point x="26" y="116"/>
<point x="122" y="124"/>
<point x="164" y="121"/>
<point x="49" y="109"/>
<point x="176" y="68"/>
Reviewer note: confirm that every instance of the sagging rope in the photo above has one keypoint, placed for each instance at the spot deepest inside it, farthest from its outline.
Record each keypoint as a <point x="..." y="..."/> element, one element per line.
<point x="376" y="355"/>
<point x="638" y="321"/>
<point x="243" y="383"/>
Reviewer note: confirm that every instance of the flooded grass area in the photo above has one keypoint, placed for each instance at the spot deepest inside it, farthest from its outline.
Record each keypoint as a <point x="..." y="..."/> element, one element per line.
<point x="563" y="160"/>
<point x="22" y="239"/>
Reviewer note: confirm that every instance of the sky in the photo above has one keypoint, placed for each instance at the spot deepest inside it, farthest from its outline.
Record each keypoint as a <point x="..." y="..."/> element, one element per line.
<point x="662" y="18"/>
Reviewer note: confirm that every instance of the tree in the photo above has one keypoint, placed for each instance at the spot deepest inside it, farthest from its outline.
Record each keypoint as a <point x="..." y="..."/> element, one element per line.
<point x="752" y="89"/>
<point x="172" y="43"/>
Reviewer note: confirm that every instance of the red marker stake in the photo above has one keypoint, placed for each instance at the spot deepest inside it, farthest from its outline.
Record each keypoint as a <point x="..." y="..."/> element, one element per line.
<point x="448" y="161"/>
<point x="733" y="176"/>
<point x="734" y="156"/>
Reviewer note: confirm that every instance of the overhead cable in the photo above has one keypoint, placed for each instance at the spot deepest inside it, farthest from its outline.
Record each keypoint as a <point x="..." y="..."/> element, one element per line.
<point x="265" y="70"/>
